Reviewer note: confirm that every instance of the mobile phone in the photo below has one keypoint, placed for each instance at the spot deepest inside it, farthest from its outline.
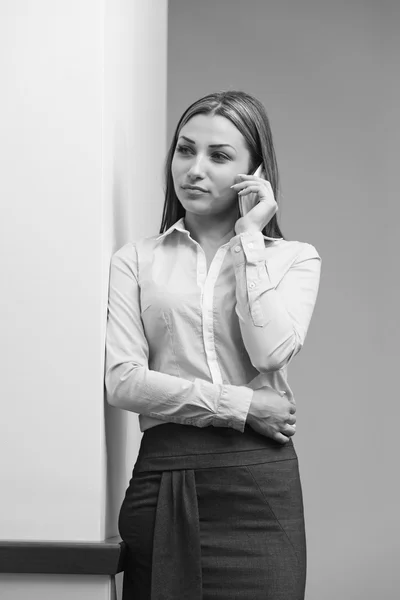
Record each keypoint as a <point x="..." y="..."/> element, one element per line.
<point x="248" y="202"/>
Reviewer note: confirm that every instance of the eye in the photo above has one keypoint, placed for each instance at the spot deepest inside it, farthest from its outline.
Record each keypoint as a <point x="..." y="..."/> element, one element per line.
<point x="184" y="149"/>
<point x="220" y="157"/>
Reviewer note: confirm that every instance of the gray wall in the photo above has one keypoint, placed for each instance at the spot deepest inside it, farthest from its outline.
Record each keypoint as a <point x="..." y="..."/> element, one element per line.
<point x="326" y="73"/>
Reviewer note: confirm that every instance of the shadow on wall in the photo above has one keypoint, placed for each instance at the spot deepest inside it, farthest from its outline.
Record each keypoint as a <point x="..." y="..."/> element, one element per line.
<point x="116" y="432"/>
<point x="115" y="420"/>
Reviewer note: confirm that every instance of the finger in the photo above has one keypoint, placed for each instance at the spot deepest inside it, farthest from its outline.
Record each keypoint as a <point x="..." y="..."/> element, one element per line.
<point x="253" y="188"/>
<point x="254" y="177"/>
<point x="292" y="408"/>
<point x="289" y="430"/>
<point x="264" y="195"/>
<point x="282" y="439"/>
<point x="240" y="186"/>
<point x="291" y="420"/>
<point x="244" y="184"/>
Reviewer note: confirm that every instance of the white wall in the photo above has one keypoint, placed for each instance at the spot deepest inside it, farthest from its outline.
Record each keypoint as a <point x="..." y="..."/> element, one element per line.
<point x="134" y="153"/>
<point x="82" y="120"/>
<point x="51" y="260"/>
<point x="327" y="72"/>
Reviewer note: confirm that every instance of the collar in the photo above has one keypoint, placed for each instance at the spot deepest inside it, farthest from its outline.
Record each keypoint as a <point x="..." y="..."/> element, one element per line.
<point x="180" y="226"/>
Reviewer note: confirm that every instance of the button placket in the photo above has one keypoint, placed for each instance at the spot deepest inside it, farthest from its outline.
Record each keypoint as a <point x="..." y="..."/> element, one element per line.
<point x="208" y="314"/>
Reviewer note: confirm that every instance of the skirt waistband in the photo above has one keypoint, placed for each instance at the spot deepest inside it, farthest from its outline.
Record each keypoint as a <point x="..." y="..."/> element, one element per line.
<point x="172" y="446"/>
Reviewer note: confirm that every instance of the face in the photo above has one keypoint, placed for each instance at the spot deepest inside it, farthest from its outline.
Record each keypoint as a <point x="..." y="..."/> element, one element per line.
<point x="209" y="154"/>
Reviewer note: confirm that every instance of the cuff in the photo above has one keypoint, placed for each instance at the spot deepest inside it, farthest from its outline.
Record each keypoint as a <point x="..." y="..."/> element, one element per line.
<point x="233" y="407"/>
<point x="249" y="245"/>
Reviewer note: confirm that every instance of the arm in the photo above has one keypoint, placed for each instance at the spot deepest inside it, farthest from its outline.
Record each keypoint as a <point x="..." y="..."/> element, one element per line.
<point x="131" y="385"/>
<point x="274" y="317"/>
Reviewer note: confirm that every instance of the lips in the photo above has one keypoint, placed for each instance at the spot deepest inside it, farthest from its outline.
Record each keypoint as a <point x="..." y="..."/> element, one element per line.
<point x="193" y="188"/>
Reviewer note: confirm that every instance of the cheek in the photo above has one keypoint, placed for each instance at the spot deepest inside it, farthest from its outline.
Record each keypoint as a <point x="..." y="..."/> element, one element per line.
<point x="223" y="183"/>
<point x="178" y="162"/>
<point x="225" y="196"/>
<point x="231" y="197"/>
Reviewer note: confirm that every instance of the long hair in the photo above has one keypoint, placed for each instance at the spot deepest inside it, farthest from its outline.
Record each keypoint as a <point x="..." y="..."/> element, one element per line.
<point x="250" y="118"/>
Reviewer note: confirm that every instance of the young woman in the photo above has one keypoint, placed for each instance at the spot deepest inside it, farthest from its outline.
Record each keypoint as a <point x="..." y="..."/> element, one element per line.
<point x="203" y="320"/>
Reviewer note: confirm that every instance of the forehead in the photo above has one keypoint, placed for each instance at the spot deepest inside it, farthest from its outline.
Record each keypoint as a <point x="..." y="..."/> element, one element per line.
<point x="213" y="129"/>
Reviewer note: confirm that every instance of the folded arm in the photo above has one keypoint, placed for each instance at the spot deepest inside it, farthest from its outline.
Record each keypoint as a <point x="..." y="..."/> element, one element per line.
<point x="131" y="385"/>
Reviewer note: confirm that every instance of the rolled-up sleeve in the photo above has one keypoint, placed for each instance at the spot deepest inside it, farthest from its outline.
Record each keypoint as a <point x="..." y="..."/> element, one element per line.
<point x="274" y="312"/>
<point x="131" y="385"/>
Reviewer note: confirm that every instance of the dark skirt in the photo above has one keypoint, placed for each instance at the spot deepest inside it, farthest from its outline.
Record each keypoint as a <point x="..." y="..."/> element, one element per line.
<point x="213" y="514"/>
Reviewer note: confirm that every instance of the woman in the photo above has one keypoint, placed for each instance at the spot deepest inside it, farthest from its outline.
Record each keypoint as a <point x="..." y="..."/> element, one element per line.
<point x="202" y="323"/>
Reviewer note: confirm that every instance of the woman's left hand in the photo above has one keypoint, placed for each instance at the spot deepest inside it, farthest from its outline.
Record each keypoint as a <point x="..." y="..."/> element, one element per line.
<point x="259" y="216"/>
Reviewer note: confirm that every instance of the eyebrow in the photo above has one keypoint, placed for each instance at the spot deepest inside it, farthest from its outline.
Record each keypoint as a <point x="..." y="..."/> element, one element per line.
<point x="211" y="145"/>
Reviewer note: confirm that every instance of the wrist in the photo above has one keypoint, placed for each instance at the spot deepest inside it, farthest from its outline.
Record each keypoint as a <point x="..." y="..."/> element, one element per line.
<point x="246" y="229"/>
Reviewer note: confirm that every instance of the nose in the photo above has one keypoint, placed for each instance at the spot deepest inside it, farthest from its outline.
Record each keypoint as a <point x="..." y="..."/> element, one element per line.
<point x="196" y="169"/>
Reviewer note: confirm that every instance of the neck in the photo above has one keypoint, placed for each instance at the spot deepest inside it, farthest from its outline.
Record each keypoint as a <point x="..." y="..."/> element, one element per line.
<point x="213" y="230"/>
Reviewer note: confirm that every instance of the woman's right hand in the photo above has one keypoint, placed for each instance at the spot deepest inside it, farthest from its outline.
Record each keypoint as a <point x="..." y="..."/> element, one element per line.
<point x="272" y="415"/>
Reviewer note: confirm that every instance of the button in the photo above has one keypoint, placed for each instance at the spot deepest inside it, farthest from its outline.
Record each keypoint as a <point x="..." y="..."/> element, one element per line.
<point x="252" y="285"/>
<point x="237" y="248"/>
<point x="251" y="245"/>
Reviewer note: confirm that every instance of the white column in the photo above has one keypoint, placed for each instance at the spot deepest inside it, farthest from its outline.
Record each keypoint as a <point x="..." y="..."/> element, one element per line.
<point x="82" y="120"/>
<point x="134" y="143"/>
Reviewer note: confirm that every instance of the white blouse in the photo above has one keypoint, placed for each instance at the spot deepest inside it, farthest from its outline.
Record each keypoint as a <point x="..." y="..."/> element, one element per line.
<point x="189" y="347"/>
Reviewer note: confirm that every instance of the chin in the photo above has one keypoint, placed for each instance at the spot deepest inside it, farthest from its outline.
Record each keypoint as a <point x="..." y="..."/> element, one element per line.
<point x="198" y="210"/>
